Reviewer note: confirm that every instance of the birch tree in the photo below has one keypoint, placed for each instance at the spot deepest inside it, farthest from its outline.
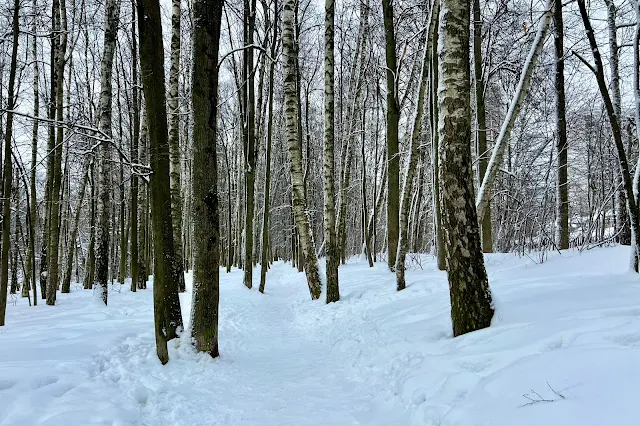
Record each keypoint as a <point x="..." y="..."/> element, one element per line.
<point x="56" y="141"/>
<point x="173" y="106"/>
<point x="407" y="186"/>
<point x="68" y="271"/>
<point x="500" y="145"/>
<point x="622" y="218"/>
<point x="471" y="304"/>
<point x="112" y="15"/>
<point x="293" y="137"/>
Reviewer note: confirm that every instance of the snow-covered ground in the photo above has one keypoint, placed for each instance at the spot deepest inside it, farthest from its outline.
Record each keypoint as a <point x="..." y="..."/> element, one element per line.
<point x="564" y="349"/>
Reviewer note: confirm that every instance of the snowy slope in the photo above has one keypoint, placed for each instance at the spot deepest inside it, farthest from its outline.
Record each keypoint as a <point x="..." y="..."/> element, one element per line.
<point x="566" y="334"/>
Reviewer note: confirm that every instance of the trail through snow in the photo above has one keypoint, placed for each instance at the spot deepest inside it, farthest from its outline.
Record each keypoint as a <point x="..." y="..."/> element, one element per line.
<point x="96" y="365"/>
<point x="563" y="350"/>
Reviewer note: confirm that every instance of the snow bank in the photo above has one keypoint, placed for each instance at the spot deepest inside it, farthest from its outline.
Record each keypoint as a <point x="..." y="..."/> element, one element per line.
<point x="563" y="350"/>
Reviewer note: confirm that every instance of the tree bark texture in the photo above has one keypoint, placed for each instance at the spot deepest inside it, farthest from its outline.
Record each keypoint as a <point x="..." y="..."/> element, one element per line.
<point x="167" y="315"/>
<point x="393" y="118"/>
<point x="471" y="305"/>
<point x="206" y="292"/>
<point x="112" y="15"/>
<point x="173" y="105"/>
<point x="293" y="138"/>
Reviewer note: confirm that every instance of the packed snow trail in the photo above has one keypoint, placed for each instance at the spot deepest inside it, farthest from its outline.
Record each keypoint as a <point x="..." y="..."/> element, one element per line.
<point x="270" y="371"/>
<point x="563" y="350"/>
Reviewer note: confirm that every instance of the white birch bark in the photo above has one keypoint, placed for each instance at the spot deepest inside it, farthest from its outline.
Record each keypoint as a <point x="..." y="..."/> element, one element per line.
<point x="407" y="187"/>
<point x="173" y="106"/>
<point x="502" y="141"/>
<point x="471" y="303"/>
<point x="104" y="125"/>
<point x="293" y="136"/>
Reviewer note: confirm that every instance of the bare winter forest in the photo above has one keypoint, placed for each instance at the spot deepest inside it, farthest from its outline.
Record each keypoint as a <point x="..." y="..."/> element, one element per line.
<point x="194" y="143"/>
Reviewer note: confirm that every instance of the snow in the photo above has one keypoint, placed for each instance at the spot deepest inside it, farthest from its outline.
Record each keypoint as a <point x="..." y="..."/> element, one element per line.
<point x="563" y="350"/>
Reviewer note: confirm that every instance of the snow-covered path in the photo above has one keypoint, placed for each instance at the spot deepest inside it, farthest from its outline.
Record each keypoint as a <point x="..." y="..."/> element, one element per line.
<point x="85" y="364"/>
<point x="568" y="326"/>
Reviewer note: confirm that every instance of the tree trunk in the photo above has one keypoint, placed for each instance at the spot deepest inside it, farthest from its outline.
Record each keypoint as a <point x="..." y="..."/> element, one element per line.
<point x="636" y="96"/>
<point x="15" y="195"/>
<point x="366" y="235"/>
<point x="174" y="143"/>
<point x="331" y="248"/>
<point x="60" y="19"/>
<point x="435" y="144"/>
<point x="625" y="175"/>
<point x="295" y="155"/>
<point x="104" y="125"/>
<point x="501" y="143"/>
<point x="264" y="262"/>
<point x="66" y="282"/>
<point x="249" y="139"/>
<point x="7" y="173"/>
<point x="481" y="122"/>
<point x="393" y="117"/>
<point x="407" y="188"/>
<point x="122" y="216"/>
<point x="229" y="214"/>
<point x="562" y="185"/>
<point x="206" y="285"/>
<point x="622" y="218"/>
<point x="51" y="148"/>
<point x="167" y="315"/>
<point x="33" y="206"/>
<point x="135" y="267"/>
<point x="376" y="207"/>
<point x="143" y="231"/>
<point x="91" y="256"/>
<point x="471" y="306"/>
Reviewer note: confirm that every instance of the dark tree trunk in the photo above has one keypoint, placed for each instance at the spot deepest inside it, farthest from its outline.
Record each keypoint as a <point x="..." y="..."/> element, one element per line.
<point x="7" y="173"/>
<point x="624" y="173"/>
<point x="135" y="267"/>
<point x="393" y="117"/>
<point x="481" y="122"/>
<point x="249" y="139"/>
<point x="167" y="315"/>
<point x="264" y="262"/>
<point x="206" y="292"/>
<point x="331" y="247"/>
<point x="91" y="255"/>
<point x="562" y="186"/>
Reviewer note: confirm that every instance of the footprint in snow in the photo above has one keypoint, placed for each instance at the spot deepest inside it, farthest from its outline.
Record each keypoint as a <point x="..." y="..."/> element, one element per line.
<point x="475" y="366"/>
<point x="7" y="384"/>
<point x="43" y="381"/>
<point x="627" y="312"/>
<point x="631" y="339"/>
<point x="61" y="389"/>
